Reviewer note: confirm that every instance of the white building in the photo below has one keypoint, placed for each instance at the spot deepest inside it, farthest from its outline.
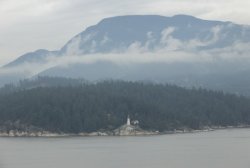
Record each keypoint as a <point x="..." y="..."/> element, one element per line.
<point x="128" y="120"/>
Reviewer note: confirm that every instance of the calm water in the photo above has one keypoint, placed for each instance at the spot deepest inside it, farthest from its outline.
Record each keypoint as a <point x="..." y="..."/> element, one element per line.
<point x="217" y="149"/>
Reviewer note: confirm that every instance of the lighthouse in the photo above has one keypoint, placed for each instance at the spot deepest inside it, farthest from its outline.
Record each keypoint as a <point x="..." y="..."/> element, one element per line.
<point x="128" y="120"/>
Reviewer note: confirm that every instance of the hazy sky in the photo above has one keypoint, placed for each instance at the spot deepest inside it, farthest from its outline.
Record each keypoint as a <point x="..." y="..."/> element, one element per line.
<point x="27" y="25"/>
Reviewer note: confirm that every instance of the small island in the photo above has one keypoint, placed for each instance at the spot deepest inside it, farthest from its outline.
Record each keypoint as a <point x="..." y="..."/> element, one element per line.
<point x="115" y="108"/>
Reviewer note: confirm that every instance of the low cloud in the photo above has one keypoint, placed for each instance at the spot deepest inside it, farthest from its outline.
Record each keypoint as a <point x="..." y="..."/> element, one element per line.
<point x="237" y="53"/>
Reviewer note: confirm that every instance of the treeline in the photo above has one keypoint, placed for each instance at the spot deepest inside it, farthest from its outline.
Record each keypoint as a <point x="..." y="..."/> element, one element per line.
<point x="40" y="81"/>
<point x="88" y="107"/>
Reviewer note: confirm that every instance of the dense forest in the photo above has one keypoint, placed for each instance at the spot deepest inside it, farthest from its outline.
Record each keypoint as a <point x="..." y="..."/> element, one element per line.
<point x="73" y="106"/>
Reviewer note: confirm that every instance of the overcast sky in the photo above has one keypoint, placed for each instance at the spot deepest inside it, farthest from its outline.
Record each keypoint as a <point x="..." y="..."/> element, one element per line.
<point x="27" y="25"/>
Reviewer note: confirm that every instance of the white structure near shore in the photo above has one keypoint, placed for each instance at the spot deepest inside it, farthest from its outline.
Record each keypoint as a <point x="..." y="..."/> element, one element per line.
<point x="128" y="121"/>
<point x="131" y="130"/>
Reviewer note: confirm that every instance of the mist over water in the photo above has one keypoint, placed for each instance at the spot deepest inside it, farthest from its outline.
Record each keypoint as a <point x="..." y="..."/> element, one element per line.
<point x="217" y="149"/>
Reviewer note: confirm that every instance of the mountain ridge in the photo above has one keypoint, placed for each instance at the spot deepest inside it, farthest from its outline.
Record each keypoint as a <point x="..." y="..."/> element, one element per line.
<point x="163" y="22"/>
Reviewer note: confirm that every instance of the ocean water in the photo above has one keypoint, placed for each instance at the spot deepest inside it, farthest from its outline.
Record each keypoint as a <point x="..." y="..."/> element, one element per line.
<point x="216" y="149"/>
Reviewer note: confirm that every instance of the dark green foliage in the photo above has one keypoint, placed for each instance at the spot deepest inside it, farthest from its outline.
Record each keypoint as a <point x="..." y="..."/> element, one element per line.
<point x="105" y="105"/>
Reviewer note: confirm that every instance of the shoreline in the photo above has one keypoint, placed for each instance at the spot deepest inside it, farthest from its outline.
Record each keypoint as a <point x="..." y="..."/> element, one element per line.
<point x="46" y="134"/>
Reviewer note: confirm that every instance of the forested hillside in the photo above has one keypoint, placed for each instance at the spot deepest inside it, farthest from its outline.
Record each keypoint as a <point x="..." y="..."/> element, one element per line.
<point x="87" y="107"/>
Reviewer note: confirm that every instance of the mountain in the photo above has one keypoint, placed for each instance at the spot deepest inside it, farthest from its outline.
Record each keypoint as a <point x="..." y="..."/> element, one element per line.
<point x="182" y="49"/>
<point x="117" y="34"/>
<point x="38" y="56"/>
<point x="154" y="32"/>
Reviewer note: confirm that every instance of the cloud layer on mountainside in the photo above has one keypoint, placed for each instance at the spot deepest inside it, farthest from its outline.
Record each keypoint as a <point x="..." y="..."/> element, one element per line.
<point x="136" y="54"/>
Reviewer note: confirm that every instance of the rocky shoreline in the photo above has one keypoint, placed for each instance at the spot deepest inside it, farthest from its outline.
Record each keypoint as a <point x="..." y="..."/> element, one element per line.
<point x="14" y="133"/>
<point x="122" y="131"/>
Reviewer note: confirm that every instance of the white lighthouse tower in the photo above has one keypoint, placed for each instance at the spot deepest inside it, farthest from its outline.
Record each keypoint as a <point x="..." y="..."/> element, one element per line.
<point x="128" y="120"/>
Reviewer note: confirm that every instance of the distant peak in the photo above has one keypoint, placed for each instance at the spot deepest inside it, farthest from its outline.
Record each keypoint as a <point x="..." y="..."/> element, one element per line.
<point x="182" y="16"/>
<point x="146" y="16"/>
<point x="137" y="19"/>
<point x="130" y="17"/>
<point x="41" y="51"/>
